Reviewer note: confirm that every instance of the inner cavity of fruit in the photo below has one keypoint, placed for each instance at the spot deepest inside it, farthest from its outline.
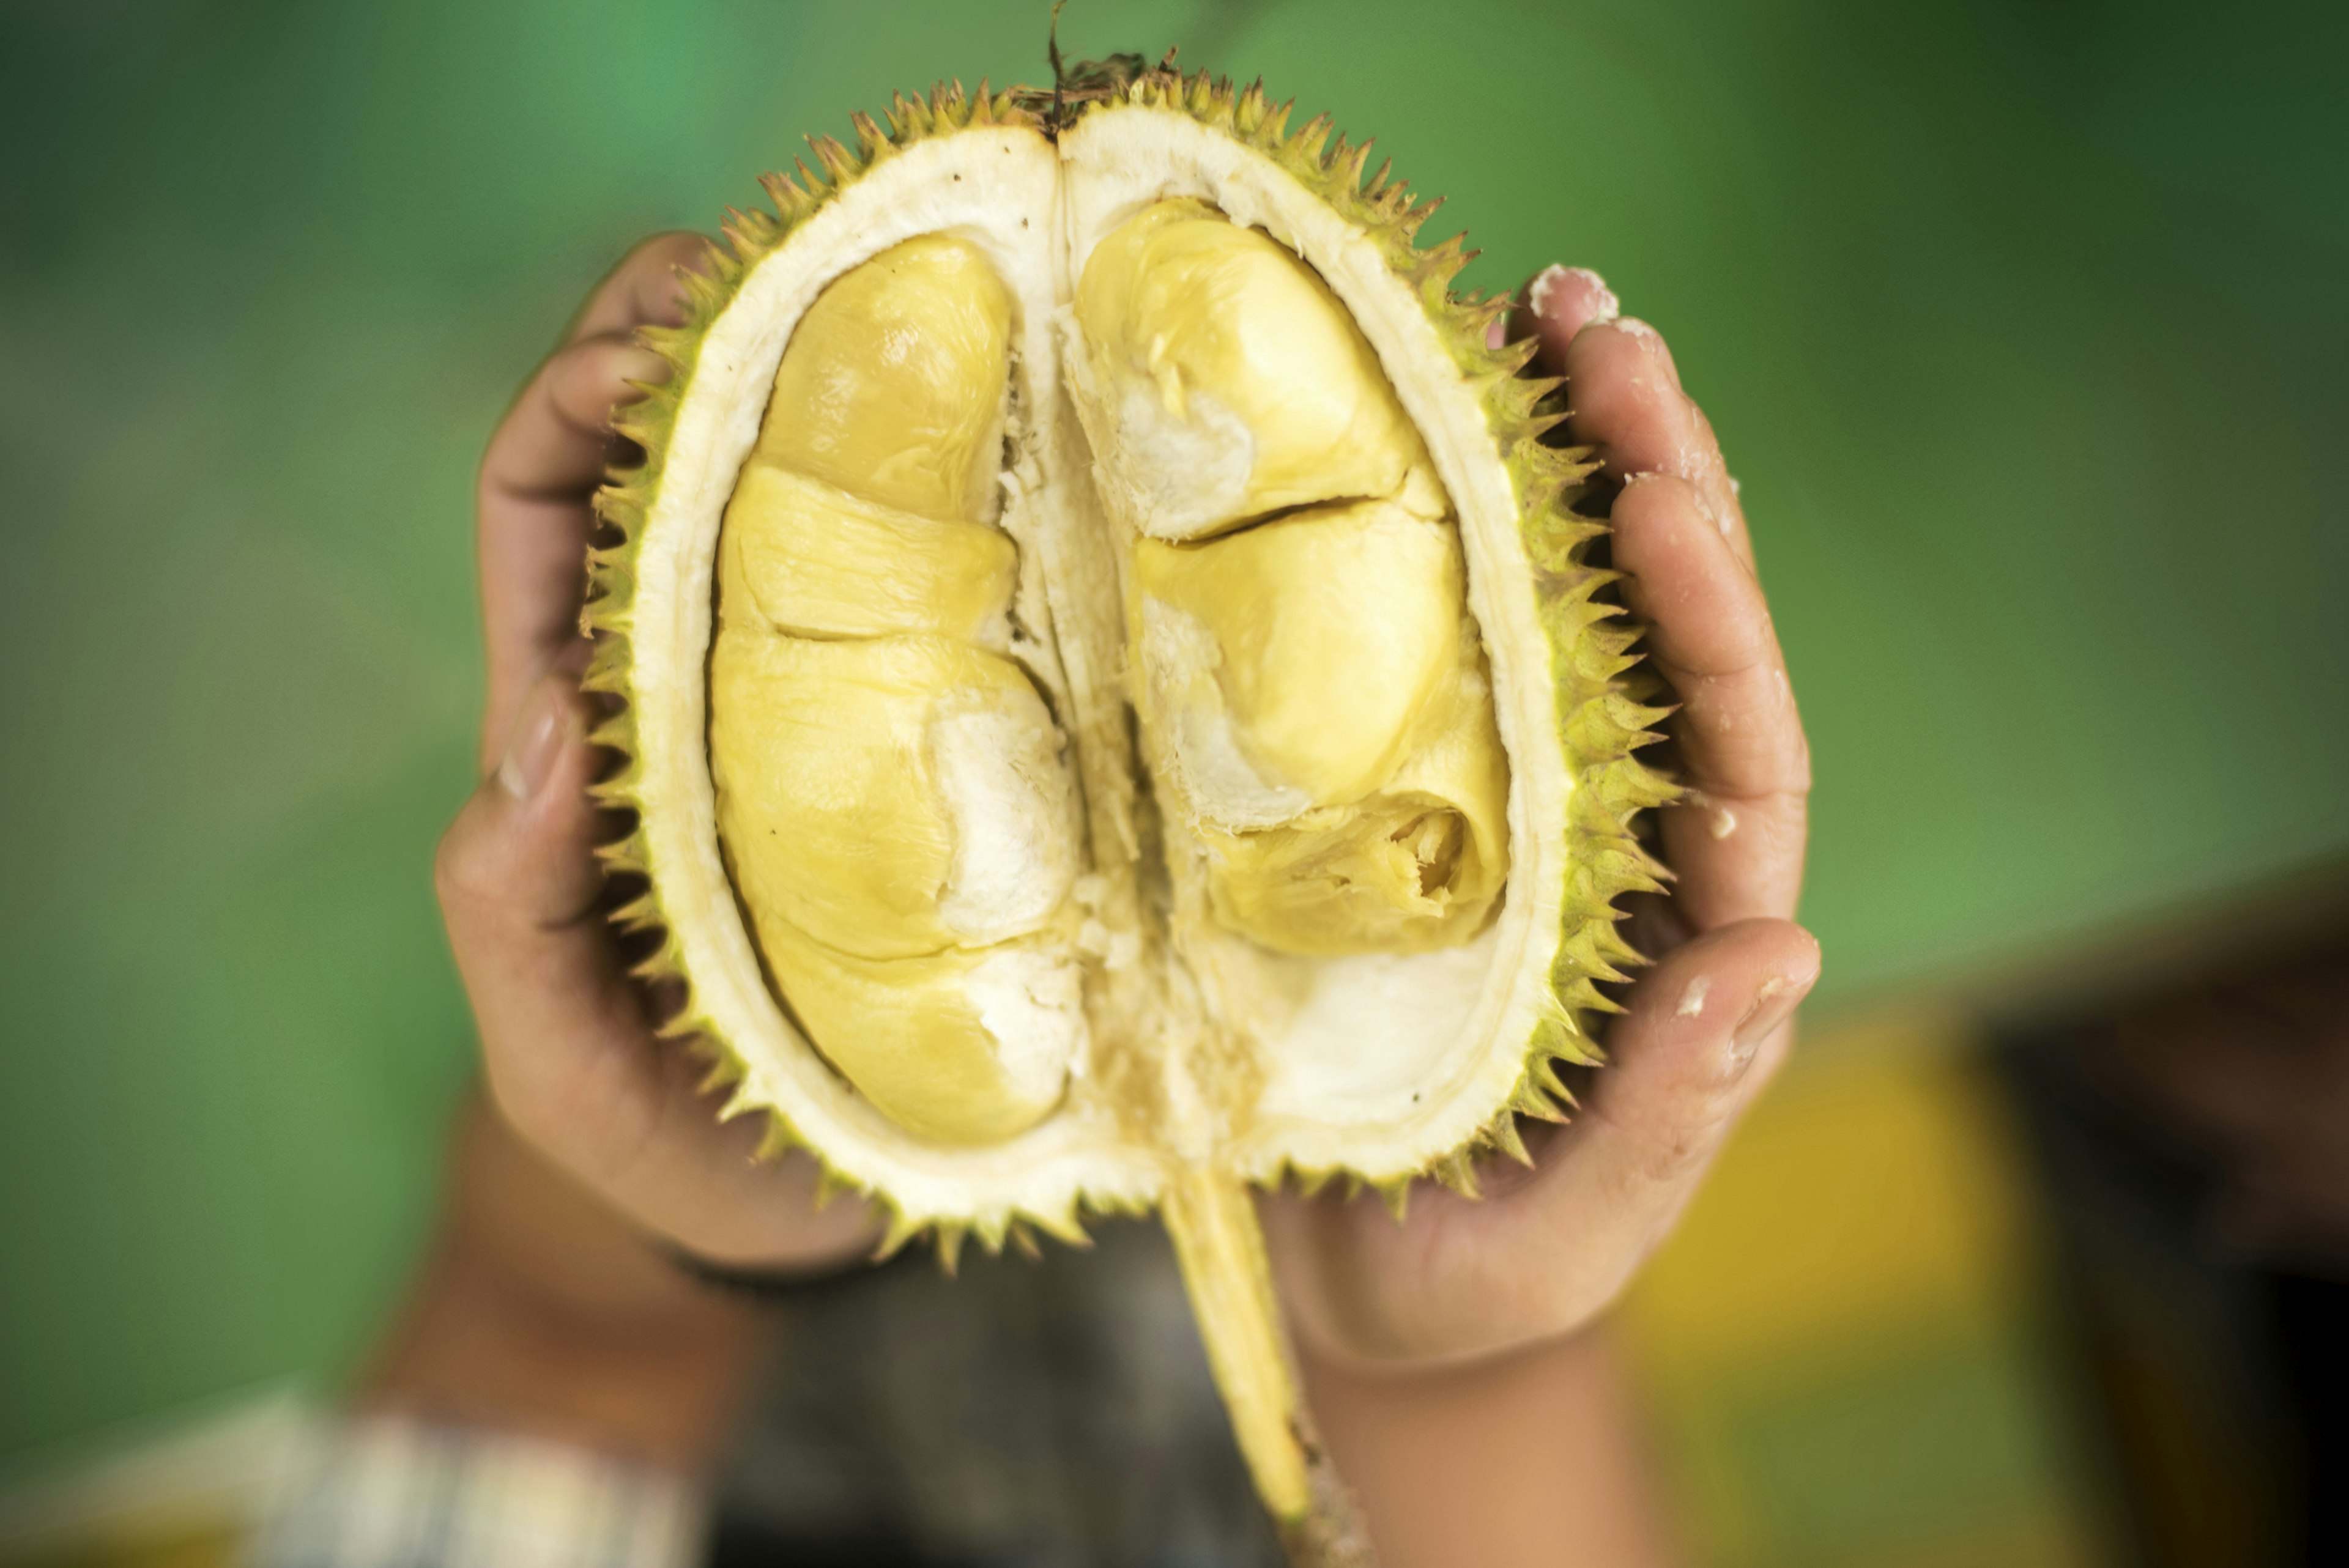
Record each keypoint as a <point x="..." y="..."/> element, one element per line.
<point x="895" y="798"/>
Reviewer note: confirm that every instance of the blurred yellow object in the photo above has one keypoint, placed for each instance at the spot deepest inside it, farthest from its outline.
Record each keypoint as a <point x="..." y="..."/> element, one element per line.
<point x="1841" y="1344"/>
<point x="191" y="1546"/>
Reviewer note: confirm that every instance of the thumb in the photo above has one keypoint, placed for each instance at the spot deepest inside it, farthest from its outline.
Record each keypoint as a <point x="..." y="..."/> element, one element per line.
<point x="519" y="888"/>
<point x="520" y="855"/>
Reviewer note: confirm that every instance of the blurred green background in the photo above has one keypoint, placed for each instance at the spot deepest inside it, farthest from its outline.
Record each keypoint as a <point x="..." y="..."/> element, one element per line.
<point x="2024" y="324"/>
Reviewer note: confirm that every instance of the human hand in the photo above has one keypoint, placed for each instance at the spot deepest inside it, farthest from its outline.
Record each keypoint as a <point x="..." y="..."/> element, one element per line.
<point x="1548" y="1246"/>
<point x="567" y="1036"/>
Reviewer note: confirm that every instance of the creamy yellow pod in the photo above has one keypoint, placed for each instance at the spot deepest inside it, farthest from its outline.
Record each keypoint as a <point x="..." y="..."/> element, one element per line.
<point x="1419" y="865"/>
<point x="969" y="1045"/>
<point x="806" y="557"/>
<point x="893" y="384"/>
<point x="1227" y="382"/>
<point x="888" y="797"/>
<point x="1288" y="667"/>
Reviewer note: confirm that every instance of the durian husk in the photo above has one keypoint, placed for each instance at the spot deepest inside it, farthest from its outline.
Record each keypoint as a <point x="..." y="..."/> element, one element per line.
<point x="1603" y="712"/>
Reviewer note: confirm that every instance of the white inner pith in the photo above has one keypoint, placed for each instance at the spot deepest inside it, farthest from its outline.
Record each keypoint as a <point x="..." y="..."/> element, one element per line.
<point x="1188" y="459"/>
<point x="1011" y="809"/>
<point x="1375" y="1064"/>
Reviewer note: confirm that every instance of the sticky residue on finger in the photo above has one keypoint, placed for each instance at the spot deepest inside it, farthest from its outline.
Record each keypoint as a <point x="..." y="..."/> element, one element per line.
<point x="1544" y="294"/>
<point x="1693" y="998"/>
<point x="1719" y="820"/>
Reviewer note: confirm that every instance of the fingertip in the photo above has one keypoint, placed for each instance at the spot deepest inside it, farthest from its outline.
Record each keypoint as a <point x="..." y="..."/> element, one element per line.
<point x="1558" y="303"/>
<point x="1571" y="298"/>
<point x="660" y="290"/>
<point x="1623" y="400"/>
<point x="643" y="288"/>
<point x="1701" y="1017"/>
<point x="592" y="377"/>
<point x="521" y="851"/>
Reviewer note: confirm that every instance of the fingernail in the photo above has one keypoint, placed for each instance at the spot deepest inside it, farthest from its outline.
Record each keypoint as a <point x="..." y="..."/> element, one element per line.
<point x="540" y="730"/>
<point x="1773" y="1003"/>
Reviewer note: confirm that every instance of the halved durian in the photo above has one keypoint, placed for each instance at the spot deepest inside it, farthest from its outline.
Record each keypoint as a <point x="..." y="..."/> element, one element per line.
<point x="1116" y="709"/>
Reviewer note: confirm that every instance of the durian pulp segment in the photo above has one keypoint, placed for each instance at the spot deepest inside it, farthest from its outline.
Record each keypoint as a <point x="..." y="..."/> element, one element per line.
<point x="1225" y="381"/>
<point x="891" y="795"/>
<point x="1318" y="702"/>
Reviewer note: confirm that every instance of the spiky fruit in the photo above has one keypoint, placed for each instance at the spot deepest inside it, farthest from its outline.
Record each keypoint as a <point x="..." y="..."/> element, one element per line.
<point x="1115" y="707"/>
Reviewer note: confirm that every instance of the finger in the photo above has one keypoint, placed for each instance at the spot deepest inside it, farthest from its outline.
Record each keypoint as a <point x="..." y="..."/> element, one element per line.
<point x="557" y="441"/>
<point x="1738" y="843"/>
<point x="552" y="447"/>
<point x="518" y="887"/>
<point x="643" y="290"/>
<point x="571" y="1061"/>
<point x="1557" y="302"/>
<point x="544" y="463"/>
<point x="1626" y="396"/>
<point x="537" y="482"/>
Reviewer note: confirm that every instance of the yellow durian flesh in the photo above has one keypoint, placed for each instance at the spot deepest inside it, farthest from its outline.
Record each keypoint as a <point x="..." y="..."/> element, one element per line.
<point x="964" y="1045"/>
<point x="1225" y="381"/>
<point x="810" y="558"/>
<point x="888" y="795"/>
<point x="894" y="383"/>
<point x="1289" y="664"/>
<point x="1416" y="866"/>
<point x="1311" y="686"/>
<point x="1314" y="684"/>
<point x="896" y="816"/>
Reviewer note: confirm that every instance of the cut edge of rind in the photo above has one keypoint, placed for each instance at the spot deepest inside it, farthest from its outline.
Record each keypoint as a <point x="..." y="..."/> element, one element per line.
<point x="1602" y="722"/>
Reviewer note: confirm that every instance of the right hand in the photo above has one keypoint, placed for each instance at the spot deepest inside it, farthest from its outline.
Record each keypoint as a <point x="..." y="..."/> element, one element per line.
<point x="1549" y="1247"/>
<point x="567" y="1036"/>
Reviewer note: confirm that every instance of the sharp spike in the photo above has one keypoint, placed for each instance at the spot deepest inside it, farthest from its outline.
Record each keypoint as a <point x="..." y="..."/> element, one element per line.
<point x="949" y="1241"/>
<point x="892" y="1241"/>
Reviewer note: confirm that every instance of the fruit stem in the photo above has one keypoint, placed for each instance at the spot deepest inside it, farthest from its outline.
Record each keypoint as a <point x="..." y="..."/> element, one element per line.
<point x="1219" y="1245"/>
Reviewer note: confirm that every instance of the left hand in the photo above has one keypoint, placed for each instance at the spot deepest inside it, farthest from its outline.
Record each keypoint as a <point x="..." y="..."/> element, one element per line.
<point x="1546" y="1248"/>
<point x="569" y="1049"/>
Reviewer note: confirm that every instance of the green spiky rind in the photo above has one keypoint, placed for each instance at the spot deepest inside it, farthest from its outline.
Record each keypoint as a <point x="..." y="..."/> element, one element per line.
<point x="1591" y="645"/>
<point x="623" y="505"/>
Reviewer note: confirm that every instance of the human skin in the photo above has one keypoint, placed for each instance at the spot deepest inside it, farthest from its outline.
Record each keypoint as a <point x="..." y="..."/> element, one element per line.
<point x="1383" y="1313"/>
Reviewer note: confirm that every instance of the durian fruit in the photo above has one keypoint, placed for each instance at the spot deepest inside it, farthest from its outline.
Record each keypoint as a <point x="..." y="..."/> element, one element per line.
<point x="1114" y="703"/>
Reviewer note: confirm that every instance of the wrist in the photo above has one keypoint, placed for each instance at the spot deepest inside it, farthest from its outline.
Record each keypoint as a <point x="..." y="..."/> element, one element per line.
<point x="538" y="1311"/>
